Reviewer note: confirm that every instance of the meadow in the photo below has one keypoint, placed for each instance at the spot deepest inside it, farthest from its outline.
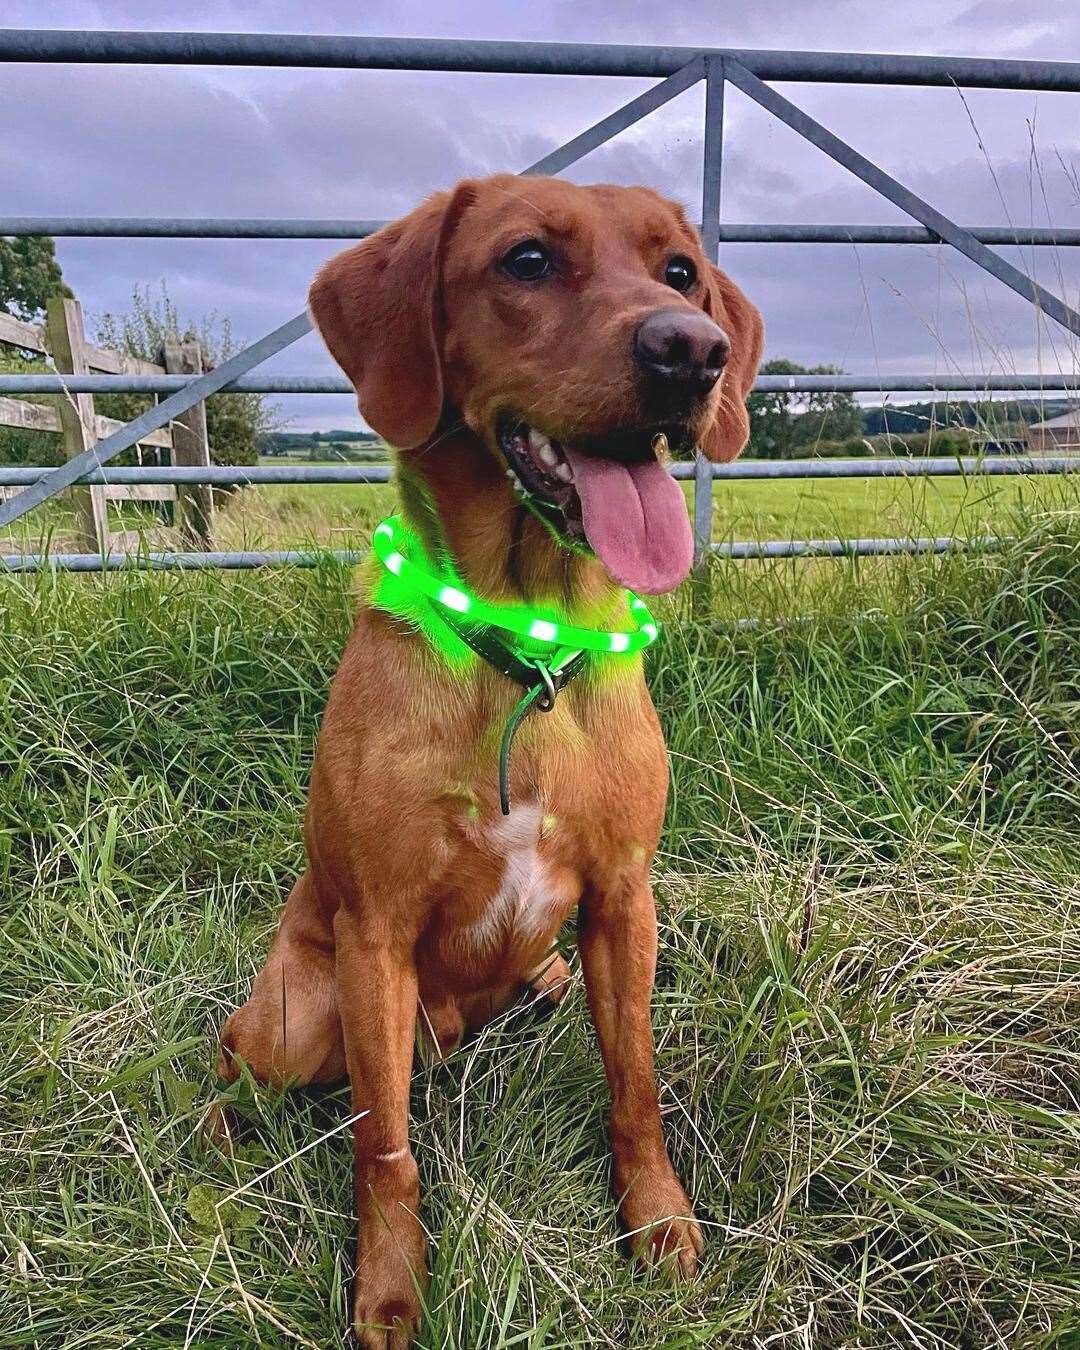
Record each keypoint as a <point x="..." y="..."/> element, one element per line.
<point x="792" y="509"/>
<point x="342" y="515"/>
<point x="866" y="1005"/>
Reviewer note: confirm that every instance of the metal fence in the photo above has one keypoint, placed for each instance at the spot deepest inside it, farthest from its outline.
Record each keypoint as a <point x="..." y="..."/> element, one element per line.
<point x="677" y="69"/>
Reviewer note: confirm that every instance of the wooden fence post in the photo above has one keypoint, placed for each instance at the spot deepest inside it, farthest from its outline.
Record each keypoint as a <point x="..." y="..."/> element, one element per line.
<point x="67" y="343"/>
<point x="191" y="445"/>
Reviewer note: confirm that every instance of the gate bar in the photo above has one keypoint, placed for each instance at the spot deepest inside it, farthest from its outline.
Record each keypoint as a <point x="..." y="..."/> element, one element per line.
<point x="1021" y="236"/>
<point x="234" y="475"/>
<point x="776" y="548"/>
<point x="259" y="227"/>
<point x="332" y="52"/>
<point x="44" y="383"/>
<point x="711" y="184"/>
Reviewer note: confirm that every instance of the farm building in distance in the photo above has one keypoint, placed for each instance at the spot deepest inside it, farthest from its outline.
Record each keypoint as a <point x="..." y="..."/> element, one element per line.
<point x="1055" y="435"/>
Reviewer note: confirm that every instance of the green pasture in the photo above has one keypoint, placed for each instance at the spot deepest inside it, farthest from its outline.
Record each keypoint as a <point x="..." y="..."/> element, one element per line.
<point x="790" y="509"/>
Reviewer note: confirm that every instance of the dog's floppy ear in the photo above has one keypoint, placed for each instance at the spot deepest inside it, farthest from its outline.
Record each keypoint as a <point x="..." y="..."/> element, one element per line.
<point x="377" y="308"/>
<point x="741" y="321"/>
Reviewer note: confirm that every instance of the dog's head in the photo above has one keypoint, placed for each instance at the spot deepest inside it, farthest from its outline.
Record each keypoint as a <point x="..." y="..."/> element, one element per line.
<point x="574" y="330"/>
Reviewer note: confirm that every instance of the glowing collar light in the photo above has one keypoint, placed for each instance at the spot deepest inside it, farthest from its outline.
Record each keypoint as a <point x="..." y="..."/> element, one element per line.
<point x="390" y="541"/>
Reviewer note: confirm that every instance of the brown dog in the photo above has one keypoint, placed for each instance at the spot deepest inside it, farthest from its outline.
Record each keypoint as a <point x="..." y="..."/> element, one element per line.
<point x="530" y="326"/>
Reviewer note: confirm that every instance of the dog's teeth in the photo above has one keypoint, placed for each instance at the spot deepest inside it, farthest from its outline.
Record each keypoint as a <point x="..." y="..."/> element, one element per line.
<point x="542" y="448"/>
<point x="562" y="472"/>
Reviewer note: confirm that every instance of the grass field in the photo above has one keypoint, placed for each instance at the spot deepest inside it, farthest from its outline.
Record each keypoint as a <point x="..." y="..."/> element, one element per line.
<point x="810" y="509"/>
<point x="343" y="515"/>
<point x="866" y="1009"/>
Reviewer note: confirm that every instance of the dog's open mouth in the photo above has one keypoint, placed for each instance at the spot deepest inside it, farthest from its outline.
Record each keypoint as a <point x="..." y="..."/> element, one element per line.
<point x="614" y="494"/>
<point x="542" y="475"/>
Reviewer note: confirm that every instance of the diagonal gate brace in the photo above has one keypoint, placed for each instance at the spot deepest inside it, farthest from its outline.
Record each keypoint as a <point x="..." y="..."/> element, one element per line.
<point x="901" y="196"/>
<point x="557" y="160"/>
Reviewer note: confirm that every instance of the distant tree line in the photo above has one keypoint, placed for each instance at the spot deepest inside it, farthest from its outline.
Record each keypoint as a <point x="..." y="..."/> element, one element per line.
<point x="789" y="425"/>
<point x="786" y="425"/>
<point x="303" y="442"/>
<point x="957" y="412"/>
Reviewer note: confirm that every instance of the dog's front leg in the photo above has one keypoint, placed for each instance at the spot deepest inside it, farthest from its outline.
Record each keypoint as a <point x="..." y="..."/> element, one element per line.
<point x="377" y="987"/>
<point x="617" y="940"/>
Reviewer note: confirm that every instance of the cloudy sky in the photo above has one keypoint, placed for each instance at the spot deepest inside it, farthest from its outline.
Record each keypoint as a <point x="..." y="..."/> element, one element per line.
<point x="153" y="140"/>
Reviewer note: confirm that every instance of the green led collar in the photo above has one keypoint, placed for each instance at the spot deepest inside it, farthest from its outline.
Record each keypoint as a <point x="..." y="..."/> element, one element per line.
<point x="389" y="543"/>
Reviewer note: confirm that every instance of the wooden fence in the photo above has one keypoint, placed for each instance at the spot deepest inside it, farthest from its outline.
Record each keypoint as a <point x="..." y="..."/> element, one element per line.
<point x="62" y="338"/>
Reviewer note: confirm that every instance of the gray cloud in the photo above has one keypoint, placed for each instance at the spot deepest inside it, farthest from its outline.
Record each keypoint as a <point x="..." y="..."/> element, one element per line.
<point x="190" y="141"/>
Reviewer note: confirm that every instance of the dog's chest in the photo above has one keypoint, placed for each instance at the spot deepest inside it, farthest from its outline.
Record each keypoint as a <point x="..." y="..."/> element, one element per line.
<point x="521" y="906"/>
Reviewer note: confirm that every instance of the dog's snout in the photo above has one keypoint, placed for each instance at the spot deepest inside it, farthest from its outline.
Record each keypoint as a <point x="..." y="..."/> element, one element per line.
<point x="683" y="348"/>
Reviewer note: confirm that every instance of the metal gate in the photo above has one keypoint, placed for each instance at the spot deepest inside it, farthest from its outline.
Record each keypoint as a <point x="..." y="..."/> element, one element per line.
<point x="677" y="69"/>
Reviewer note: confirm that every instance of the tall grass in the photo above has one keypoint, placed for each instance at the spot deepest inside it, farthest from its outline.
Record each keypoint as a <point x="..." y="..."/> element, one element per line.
<point x="865" y="1011"/>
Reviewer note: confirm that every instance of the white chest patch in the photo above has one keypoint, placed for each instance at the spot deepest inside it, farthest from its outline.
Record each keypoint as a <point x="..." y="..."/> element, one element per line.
<point x="521" y="907"/>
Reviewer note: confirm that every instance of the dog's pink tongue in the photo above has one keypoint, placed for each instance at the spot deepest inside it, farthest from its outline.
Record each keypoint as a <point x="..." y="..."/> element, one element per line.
<point x="635" y="520"/>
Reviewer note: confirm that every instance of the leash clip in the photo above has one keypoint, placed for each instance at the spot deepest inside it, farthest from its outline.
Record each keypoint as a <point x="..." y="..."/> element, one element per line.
<point x="542" y="696"/>
<point x="545" y="700"/>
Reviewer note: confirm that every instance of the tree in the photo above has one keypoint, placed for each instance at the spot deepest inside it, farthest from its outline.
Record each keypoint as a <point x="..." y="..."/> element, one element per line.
<point x="234" y="422"/>
<point x="772" y="415"/>
<point x="29" y="275"/>
<point x="830" y="415"/>
<point x="783" y="423"/>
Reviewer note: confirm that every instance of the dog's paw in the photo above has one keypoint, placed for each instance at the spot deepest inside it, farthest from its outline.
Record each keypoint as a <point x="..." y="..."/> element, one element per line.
<point x="221" y="1126"/>
<point x="661" y="1227"/>
<point x="391" y="1266"/>
<point x="388" y="1323"/>
<point x="674" y="1244"/>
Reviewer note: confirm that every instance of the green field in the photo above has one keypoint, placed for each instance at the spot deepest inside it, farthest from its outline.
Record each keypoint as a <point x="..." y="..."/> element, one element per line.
<point x="343" y="515"/>
<point x="866" y="1000"/>
<point x="837" y="508"/>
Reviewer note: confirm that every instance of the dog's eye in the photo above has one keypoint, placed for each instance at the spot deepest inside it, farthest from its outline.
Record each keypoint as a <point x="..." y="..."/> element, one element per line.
<point x="527" y="261"/>
<point x="680" y="273"/>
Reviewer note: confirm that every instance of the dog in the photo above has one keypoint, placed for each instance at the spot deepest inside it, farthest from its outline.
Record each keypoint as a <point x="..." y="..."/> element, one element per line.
<point x="528" y="347"/>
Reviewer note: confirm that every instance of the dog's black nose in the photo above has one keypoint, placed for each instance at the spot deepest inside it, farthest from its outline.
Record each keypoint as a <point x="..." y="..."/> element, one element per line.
<point x="683" y="348"/>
